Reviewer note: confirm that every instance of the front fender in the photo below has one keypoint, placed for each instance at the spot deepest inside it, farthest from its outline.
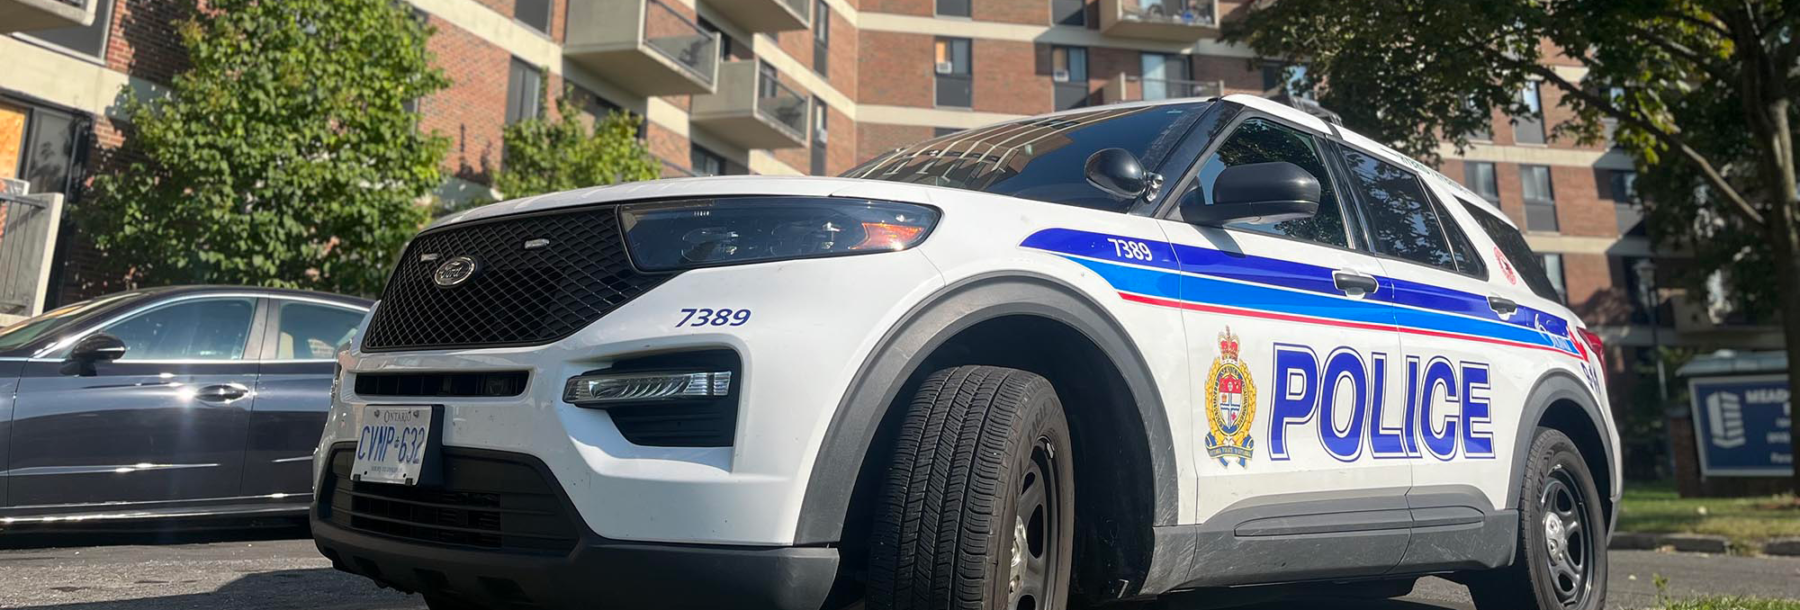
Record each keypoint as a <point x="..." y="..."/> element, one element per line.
<point x="929" y="325"/>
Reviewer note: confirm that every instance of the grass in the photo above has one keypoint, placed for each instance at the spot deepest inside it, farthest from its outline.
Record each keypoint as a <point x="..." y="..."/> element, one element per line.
<point x="1657" y="509"/>
<point x="1732" y="603"/>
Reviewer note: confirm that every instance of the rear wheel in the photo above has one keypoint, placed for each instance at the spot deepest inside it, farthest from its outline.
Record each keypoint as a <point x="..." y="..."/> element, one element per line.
<point x="978" y="511"/>
<point x="1561" y="556"/>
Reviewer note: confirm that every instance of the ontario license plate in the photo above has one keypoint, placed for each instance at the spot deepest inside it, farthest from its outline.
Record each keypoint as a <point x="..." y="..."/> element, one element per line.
<point x="391" y="445"/>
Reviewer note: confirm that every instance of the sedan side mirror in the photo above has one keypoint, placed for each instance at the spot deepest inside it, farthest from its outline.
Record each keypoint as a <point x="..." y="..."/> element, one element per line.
<point x="1118" y="172"/>
<point x="97" y="347"/>
<point x="1256" y="193"/>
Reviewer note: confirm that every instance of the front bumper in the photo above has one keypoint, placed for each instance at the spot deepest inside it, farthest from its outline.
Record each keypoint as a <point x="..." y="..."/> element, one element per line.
<point x="459" y="538"/>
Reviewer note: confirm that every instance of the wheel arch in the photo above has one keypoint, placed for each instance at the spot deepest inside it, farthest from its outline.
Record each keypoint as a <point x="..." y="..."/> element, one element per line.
<point x="932" y="335"/>
<point x="1562" y="402"/>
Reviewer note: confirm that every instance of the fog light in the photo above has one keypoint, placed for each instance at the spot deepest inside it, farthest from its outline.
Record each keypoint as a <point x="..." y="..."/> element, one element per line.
<point x="626" y="387"/>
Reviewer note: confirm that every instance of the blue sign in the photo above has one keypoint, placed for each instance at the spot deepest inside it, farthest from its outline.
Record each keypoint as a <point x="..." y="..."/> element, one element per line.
<point x="1742" y="426"/>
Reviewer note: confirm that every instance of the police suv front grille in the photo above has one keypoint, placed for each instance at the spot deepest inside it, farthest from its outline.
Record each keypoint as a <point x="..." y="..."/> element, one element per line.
<point x="482" y="501"/>
<point x="537" y="278"/>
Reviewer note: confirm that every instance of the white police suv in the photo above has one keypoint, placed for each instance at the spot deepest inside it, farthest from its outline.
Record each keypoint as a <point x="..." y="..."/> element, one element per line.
<point x="1171" y="350"/>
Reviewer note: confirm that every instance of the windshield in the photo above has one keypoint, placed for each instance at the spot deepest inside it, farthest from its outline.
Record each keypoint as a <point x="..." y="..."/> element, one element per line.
<point x="30" y="329"/>
<point x="1041" y="158"/>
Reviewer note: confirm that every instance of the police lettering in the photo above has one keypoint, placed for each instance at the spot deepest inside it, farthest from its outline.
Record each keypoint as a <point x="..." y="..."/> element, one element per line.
<point x="1447" y="412"/>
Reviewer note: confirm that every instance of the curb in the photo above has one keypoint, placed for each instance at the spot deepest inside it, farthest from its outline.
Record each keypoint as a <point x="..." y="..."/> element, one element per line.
<point x="1685" y="543"/>
<point x="1785" y="547"/>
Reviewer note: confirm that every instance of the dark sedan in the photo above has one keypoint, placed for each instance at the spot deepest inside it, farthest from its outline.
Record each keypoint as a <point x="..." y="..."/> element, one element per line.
<point x="169" y="402"/>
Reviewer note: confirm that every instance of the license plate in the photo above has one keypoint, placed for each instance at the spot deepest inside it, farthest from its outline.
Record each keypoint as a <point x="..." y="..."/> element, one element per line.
<point x="391" y="445"/>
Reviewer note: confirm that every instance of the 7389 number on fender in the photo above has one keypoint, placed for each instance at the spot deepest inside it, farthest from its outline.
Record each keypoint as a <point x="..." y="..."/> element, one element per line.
<point x="391" y="444"/>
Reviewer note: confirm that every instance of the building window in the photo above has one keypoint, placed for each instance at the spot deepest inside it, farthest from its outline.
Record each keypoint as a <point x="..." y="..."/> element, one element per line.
<point x="88" y="40"/>
<point x="1529" y="129"/>
<point x="1625" y="205"/>
<point x="1484" y="133"/>
<point x="1069" y="71"/>
<point x="1540" y="198"/>
<point x="1068" y="12"/>
<point x="729" y="48"/>
<point x="955" y="80"/>
<point x="939" y="132"/>
<point x="40" y="146"/>
<point x="706" y="162"/>
<point x="524" y="92"/>
<point x="1165" y="76"/>
<point x="1480" y="177"/>
<point x="821" y="135"/>
<point x="1553" y="270"/>
<point x="821" y="37"/>
<point x="953" y="8"/>
<point x="533" y="13"/>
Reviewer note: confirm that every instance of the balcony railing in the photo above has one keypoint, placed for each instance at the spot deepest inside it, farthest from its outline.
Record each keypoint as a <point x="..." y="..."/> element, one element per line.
<point x="1171" y="20"/>
<point x="28" y="15"/>
<point x="765" y="15"/>
<point x="643" y="45"/>
<point x="1127" y="88"/>
<point x="752" y="109"/>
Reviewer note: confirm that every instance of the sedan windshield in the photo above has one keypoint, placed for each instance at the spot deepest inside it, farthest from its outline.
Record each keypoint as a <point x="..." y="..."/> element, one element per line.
<point x="1040" y="158"/>
<point x="25" y="331"/>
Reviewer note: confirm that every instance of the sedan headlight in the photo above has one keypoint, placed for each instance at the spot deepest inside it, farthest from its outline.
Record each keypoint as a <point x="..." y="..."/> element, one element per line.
<point x="666" y="236"/>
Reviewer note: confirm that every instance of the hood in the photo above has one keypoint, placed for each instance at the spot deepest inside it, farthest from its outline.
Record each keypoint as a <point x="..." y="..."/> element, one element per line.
<point x="712" y="186"/>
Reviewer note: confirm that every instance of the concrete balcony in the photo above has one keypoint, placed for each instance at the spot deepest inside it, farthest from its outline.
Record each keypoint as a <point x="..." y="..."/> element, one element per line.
<point x="1171" y="20"/>
<point x="751" y="109"/>
<point x="1127" y="88"/>
<point x="642" y="45"/>
<point x="765" y="15"/>
<point x="27" y="15"/>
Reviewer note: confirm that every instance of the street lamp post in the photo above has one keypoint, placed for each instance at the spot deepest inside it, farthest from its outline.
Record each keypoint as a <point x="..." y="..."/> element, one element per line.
<point x="1646" y="274"/>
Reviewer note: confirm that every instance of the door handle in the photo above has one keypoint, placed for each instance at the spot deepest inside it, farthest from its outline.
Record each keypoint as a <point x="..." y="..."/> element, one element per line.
<point x="1502" y="305"/>
<point x="222" y="393"/>
<point x="1353" y="283"/>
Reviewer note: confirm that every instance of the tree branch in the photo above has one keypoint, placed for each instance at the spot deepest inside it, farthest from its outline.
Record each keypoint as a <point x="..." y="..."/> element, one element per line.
<point x="1682" y="51"/>
<point x="1672" y="139"/>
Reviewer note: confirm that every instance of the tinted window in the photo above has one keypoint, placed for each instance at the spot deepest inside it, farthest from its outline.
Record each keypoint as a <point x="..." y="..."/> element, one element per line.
<point x="208" y="329"/>
<point x="313" y="332"/>
<point x="1402" y="221"/>
<point x="1040" y="158"/>
<point x="1512" y="245"/>
<point x="1468" y="261"/>
<point x="26" y="331"/>
<point x="1260" y="141"/>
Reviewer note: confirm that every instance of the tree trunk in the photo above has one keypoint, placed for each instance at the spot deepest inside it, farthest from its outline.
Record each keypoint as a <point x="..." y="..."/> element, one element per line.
<point x="1784" y="236"/>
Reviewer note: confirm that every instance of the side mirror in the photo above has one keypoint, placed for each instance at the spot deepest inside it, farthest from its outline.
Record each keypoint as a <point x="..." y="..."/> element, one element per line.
<point x="98" y="347"/>
<point x="1118" y="172"/>
<point x="1256" y="193"/>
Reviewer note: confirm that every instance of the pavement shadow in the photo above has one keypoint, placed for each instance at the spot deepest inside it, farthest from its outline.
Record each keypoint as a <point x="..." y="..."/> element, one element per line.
<point x="45" y="537"/>
<point x="299" y="589"/>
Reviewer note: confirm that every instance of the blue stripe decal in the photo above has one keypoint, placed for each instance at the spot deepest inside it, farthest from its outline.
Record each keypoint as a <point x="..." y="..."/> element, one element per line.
<point x="1294" y="288"/>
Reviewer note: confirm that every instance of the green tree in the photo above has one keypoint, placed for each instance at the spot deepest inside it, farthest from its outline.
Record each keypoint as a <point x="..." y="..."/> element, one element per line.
<point x="1702" y="92"/>
<point x="284" y="156"/>
<point x="570" y="151"/>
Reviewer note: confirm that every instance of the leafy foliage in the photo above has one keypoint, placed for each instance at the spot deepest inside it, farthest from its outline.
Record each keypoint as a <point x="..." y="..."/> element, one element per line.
<point x="285" y="156"/>
<point x="573" y="150"/>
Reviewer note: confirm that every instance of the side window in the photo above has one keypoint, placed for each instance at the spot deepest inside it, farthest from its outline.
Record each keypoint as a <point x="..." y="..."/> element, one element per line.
<point x="1512" y="245"/>
<point x="313" y="332"/>
<point x="1402" y="221"/>
<point x="1261" y="141"/>
<point x="1468" y="261"/>
<point x="203" y="329"/>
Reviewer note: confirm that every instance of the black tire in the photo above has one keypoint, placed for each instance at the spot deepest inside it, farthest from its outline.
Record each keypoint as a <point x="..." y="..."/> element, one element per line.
<point x="977" y="443"/>
<point x="1556" y="565"/>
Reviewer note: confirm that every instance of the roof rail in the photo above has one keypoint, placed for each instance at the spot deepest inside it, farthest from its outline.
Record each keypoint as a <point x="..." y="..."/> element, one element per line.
<point x="1310" y="107"/>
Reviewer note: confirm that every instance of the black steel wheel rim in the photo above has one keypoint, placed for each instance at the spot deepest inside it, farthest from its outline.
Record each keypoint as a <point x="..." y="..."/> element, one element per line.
<point x="1568" y="540"/>
<point x="1036" y="525"/>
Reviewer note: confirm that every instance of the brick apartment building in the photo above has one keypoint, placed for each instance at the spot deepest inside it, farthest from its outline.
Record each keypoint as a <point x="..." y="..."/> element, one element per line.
<point x="816" y="86"/>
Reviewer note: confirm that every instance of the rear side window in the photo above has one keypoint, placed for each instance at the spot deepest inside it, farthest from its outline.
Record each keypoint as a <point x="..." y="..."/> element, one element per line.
<point x="1402" y="221"/>
<point x="1512" y="245"/>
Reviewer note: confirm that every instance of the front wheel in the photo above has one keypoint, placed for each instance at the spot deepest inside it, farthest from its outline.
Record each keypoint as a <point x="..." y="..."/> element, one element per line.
<point x="978" y="512"/>
<point x="1561" y="556"/>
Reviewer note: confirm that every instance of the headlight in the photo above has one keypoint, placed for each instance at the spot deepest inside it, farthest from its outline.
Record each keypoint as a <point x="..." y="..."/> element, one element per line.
<point x="666" y="236"/>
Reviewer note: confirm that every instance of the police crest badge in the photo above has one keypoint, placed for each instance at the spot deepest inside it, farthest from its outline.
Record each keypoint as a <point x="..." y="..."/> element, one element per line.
<point x="1230" y="404"/>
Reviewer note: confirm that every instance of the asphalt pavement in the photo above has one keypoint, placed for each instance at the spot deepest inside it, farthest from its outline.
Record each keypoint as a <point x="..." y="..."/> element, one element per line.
<point x="275" y="570"/>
